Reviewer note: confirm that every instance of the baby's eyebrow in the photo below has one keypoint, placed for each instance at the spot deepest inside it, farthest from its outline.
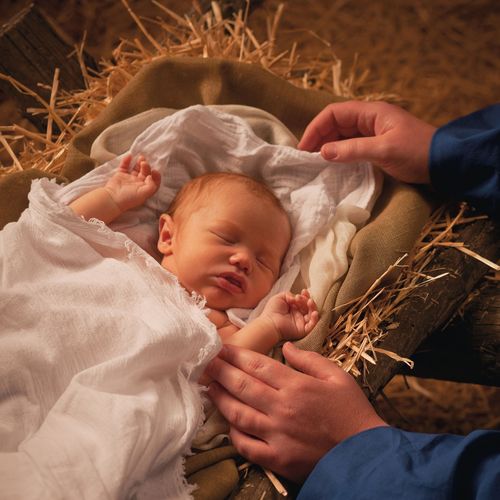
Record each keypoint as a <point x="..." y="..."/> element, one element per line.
<point x="226" y="222"/>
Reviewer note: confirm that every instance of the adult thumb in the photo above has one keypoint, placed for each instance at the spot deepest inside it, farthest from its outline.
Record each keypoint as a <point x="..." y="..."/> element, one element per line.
<point x="310" y="363"/>
<point x="351" y="150"/>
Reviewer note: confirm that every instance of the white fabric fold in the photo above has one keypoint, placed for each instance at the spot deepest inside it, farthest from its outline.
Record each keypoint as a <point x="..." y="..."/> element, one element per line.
<point x="100" y="353"/>
<point x="204" y="139"/>
<point x="101" y="348"/>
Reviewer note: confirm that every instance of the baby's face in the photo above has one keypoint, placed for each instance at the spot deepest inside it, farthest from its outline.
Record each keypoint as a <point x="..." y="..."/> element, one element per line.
<point x="230" y="249"/>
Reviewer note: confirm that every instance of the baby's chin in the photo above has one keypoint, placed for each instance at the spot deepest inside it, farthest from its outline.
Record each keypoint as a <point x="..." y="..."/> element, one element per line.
<point x="220" y="306"/>
<point x="223" y="303"/>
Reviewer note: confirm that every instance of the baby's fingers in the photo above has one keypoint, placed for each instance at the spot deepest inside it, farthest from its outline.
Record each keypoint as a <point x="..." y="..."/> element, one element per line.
<point x="125" y="163"/>
<point x="152" y="182"/>
<point x="298" y="302"/>
<point x="311" y="320"/>
<point x="144" y="168"/>
<point x="311" y="305"/>
<point x="312" y="316"/>
<point x="156" y="177"/>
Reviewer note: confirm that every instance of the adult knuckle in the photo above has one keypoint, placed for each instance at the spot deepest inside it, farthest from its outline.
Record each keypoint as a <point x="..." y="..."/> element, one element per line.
<point x="257" y="367"/>
<point x="241" y="384"/>
<point x="288" y="412"/>
<point x="235" y="417"/>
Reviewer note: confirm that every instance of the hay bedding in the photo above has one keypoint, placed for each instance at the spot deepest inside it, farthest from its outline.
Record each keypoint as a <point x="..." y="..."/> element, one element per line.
<point x="204" y="36"/>
<point x="352" y="339"/>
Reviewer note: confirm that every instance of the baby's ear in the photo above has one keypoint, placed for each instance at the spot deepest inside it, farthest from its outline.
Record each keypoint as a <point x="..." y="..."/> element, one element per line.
<point x="166" y="230"/>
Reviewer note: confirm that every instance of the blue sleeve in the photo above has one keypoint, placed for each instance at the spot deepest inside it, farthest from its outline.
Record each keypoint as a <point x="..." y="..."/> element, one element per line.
<point x="387" y="463"/>
<point x="464" y="159"/>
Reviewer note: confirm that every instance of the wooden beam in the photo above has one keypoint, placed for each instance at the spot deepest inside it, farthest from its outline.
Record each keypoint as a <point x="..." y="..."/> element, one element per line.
<point x="468" y="350"/>
<point x="435" y="303"/>
<point x="32" y="48"/>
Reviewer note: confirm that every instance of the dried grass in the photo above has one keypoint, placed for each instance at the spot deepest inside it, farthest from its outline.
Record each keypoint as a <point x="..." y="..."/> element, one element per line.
<point x="352" y="341"/>
<point x="364" y="322"/>
<point x="202" y="35"/>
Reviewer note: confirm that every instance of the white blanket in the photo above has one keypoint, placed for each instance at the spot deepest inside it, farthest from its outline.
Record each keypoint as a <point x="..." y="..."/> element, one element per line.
<point x="326" y="203"/>
<point x="100" y="352"/>
<point x="100" y="348"/>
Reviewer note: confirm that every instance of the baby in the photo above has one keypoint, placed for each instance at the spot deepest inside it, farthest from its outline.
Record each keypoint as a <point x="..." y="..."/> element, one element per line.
<point x="224" y="237"/>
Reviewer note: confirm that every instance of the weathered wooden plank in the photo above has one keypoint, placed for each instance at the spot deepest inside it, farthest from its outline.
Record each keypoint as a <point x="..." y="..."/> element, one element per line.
<point x="468" y="350"/>
<point x="31" y="49"/>
<point x="435" y="303"/>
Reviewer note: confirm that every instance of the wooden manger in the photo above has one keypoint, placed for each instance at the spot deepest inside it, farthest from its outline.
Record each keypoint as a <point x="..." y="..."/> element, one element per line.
<point x="371" y="336"/>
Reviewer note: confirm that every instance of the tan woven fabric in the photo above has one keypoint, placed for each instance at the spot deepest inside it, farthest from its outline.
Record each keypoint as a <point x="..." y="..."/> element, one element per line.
<point x="180" y="82"/>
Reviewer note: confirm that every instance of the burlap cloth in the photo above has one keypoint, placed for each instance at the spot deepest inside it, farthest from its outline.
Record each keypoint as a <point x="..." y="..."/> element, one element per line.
<point x="398" y="216"/>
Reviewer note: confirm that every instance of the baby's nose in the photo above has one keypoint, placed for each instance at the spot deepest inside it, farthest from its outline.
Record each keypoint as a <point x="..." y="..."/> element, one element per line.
<point x="242" y="260"/>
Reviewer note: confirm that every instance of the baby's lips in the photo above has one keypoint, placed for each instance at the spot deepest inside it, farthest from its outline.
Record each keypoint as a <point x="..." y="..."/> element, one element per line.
<point x="235" y="283"/>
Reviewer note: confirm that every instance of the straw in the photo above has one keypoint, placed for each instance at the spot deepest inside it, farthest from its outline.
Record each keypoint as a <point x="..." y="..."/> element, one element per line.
<point x="308" y="61"/>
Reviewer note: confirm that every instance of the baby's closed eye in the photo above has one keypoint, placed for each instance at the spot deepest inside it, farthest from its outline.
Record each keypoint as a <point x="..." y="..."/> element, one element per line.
<point x="224" y="237"/>
<point x="265" y="263"/>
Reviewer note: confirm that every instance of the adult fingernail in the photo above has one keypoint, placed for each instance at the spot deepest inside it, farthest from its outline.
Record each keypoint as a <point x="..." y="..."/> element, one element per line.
<point x="329" y="152"/>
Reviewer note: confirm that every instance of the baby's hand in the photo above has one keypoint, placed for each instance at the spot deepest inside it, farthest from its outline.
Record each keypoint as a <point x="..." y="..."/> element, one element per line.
<point x="131" y="189"/>
<point x="294" y="316"/>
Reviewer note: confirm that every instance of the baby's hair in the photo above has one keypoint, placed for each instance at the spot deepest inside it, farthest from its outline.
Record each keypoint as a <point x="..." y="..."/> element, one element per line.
<point x="199" y="188"/>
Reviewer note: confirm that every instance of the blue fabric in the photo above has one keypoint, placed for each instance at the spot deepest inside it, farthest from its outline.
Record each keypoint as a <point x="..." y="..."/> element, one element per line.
<point x="388" y="463"/>
<point x="464" y="159"/>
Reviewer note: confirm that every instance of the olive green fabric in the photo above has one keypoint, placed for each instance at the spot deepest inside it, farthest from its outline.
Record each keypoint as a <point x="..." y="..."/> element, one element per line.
<point x="14" y="189"/>
<point x="396" y="221"/>
<point x="180" y="82"/>
<point x="215" y="482"/>
<point x="207" y="458"/>
<point x="213" y="472"/>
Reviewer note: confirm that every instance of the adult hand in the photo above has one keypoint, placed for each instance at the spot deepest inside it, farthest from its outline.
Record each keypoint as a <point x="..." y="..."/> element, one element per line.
<point x="379" y="132"/>
<point x="286" y="419"/>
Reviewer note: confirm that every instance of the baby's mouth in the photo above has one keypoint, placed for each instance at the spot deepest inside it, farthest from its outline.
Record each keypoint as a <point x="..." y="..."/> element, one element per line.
<point x="234" y="281"/>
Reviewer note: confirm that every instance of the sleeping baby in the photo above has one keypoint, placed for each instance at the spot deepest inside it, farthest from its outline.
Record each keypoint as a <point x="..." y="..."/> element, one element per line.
<point x="224" y="238"/>
<point x="102" y="350"/>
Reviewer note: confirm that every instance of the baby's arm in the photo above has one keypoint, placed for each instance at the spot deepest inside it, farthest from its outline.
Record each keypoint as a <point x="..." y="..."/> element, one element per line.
<point x="123" y="191"/>
<point x="285" y="317"/>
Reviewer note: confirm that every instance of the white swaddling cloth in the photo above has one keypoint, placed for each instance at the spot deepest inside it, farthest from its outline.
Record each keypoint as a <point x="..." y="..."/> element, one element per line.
<point x="100" y="348"/>
<point x="100" y="353"/>
<point x="326" y="202"/>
